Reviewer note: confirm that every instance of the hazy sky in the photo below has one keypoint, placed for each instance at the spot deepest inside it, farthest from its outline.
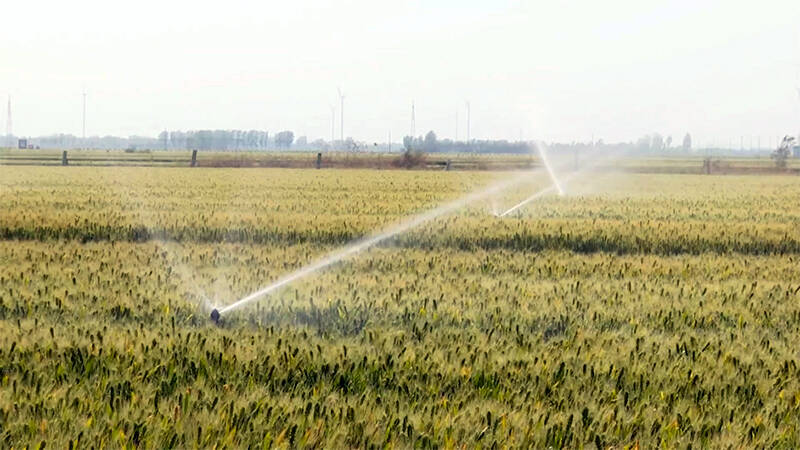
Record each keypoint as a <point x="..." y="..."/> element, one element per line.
<point x="559" y="71"/>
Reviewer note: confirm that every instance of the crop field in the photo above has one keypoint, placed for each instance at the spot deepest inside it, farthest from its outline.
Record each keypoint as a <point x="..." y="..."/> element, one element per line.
<point x="640" y="309"/>
<point x="271" y="159"/>
<point x="305" y="159"/>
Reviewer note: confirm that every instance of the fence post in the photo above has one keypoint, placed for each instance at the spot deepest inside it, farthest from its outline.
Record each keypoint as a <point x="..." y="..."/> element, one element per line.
<point x="194" y="158"/>
<point x="447" y="167"/>
<point x="319" y="160"/>
<point x="64" y="161"/>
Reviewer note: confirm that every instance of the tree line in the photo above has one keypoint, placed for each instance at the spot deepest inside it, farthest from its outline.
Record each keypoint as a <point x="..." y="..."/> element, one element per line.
<point x="222" y="140"/>
<point x="254" y="140"/>
<point x="225" y="140"/>
<point x="651" y="143"/>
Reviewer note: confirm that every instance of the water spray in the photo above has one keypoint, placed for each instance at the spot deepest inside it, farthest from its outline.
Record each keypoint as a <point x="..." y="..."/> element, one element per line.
<point x="368" y="242"/>
<point x="556" y="185"/>
<point x="549" y="168"/>
<point x="365" y="243"/>
<point x="527" y="200"/>
<point x="536" y="195"/>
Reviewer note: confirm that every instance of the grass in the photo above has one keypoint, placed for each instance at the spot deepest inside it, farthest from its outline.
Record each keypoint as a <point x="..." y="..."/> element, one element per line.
<point x="375" y="160"/>
<point x="649" y="309"/>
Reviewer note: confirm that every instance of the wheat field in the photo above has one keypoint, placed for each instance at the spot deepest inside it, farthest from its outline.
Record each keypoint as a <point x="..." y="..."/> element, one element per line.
<point x="650" y="310"/>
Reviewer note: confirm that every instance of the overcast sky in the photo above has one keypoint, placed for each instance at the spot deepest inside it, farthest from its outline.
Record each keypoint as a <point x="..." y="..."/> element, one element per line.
<point x="559" y="71"/>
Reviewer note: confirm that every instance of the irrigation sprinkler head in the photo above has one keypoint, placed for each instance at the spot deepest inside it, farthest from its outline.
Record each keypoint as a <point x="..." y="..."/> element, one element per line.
<point x="215" y="316"/>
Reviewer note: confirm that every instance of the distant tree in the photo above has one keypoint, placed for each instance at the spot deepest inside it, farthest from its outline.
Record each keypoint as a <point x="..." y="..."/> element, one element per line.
<point x="284" y="139"/>
<point x="657" y="142"/>
<point x="643" y="143"/>
<point x="687" y="142"/>
<point x="430" y="144"/>
<point x="320" y="144"/>
<point x="203" y="139"/>
<point x="410" y="157"/>
<point x="177" y="139"/>
<point x="408" y="142"/>
<point x="301" y="142"/>
<point x="783" y="152"/>
<point x="229" y="139"/>
<point x="669" y="142"/>
<point x="289" y="138"/>
<point x="251" y="139"/>
<point x="220" y="139"/>
<point x="163" y="137"/>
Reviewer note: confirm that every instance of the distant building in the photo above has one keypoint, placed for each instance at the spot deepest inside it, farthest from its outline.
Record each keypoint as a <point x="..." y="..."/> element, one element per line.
<point x="22" y="144"/>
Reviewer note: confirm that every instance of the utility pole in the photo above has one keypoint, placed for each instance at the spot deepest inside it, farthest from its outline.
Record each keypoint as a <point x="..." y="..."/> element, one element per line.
<point x="8" y="125"/>
<point x="341" y="113"/>
<point x="84" y="120"/>
<point x="468" y="123"/>
<point x="413" y="121"/>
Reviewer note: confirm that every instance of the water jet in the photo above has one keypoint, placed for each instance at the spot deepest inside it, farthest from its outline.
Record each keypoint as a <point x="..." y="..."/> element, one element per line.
<point x="370" y="241"/>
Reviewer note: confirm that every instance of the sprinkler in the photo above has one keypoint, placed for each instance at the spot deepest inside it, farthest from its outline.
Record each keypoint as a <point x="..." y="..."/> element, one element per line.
<point x="215" y="316"/>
